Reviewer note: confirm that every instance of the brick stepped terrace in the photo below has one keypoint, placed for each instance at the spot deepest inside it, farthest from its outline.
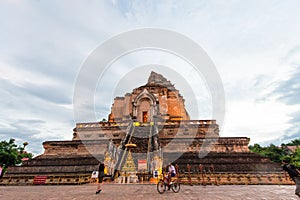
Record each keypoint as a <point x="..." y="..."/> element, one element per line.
<point x="59" y="166"/>
<point x="242" y="162"/>
<point x="70" y="179"/>
<point x="267" y="178"/>
<point x="153" y="116"/>
<point x="66" y="165"/>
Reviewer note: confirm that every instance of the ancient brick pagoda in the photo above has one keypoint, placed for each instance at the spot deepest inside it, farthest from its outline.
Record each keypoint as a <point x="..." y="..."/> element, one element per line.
<point x="147" y="129"/>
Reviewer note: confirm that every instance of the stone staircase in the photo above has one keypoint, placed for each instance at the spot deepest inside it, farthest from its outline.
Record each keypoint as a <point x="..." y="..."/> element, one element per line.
<point x="142" y="137"/>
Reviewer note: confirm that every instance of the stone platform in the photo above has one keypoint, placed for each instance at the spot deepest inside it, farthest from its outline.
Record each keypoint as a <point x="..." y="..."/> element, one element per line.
<point x="192" y="178"/>
<point x="119" y="191"/>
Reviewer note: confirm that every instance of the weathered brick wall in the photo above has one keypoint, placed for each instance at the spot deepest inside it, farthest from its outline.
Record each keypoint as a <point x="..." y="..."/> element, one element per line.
<point x="235" y="179"/>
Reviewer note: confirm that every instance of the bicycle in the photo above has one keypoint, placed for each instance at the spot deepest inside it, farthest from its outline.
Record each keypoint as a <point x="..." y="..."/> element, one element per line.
<point x="163" y="184"/>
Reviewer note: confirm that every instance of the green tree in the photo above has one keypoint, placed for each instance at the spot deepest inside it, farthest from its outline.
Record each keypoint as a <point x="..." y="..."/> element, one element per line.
<point x="277" y="154"/>
<point x="11" y="154"/>
<point x="256" y="148"/>
<point x="274" y="153"/>
<point x="295" y="158"/>
<point x="295" y="142"/>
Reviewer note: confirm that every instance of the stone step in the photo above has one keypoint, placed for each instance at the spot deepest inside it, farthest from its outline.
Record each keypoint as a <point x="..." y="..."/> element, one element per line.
<point x="51" y="179"/>
<point x="223" y="162"/>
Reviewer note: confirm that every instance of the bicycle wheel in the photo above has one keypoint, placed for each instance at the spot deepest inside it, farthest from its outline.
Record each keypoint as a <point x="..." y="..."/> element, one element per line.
<point x="176" y="187"/>
<point x="161" y="187"/>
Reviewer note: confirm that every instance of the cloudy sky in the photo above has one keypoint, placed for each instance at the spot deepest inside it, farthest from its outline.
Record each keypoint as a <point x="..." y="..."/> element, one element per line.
<point x="255" y="46"/>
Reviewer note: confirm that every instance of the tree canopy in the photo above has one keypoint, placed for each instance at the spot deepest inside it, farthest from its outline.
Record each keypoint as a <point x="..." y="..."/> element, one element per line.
<point x="279" y="153"/>
<point x="11" y="154"/>
<point x="295" y="142"/>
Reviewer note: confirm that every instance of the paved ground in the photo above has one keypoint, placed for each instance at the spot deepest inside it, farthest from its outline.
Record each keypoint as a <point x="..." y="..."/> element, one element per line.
<point x="144" y="192"/>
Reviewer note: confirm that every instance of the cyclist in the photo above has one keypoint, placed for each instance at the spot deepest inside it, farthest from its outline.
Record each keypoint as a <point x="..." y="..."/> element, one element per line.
<point x="171" y="172"/>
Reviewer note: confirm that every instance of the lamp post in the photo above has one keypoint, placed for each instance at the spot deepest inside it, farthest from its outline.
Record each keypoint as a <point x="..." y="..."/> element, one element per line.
<point x="25" y="159"/>
<point x="25" y="144"/>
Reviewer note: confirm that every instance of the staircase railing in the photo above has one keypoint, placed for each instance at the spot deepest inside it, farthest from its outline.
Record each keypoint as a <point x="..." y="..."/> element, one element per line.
<point x="149" y="148"/>
<point x="122" y="148"/>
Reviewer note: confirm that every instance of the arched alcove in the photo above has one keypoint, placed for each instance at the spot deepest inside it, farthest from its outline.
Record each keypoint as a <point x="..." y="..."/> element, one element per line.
<point x="144" y="107"/>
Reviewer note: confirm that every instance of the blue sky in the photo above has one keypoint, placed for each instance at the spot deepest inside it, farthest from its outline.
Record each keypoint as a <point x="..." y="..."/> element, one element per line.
<point x="255" y="46"/>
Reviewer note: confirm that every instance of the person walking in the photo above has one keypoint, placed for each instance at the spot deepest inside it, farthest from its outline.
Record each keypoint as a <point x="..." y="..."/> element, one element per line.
<point x="100" y="177"/>
<point x="293" y="173"/>
<point x="1" y="169"/>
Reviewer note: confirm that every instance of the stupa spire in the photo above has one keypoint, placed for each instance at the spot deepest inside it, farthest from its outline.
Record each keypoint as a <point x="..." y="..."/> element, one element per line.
<point x="158" y="79"/>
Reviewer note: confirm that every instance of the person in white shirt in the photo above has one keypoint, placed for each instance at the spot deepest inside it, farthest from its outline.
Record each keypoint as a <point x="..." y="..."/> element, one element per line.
<point x="171" y="171"/>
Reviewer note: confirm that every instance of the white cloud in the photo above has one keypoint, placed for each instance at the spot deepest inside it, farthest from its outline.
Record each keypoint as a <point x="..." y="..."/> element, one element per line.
<point x="260" y="120"/>
<point x="22" y="77"/>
